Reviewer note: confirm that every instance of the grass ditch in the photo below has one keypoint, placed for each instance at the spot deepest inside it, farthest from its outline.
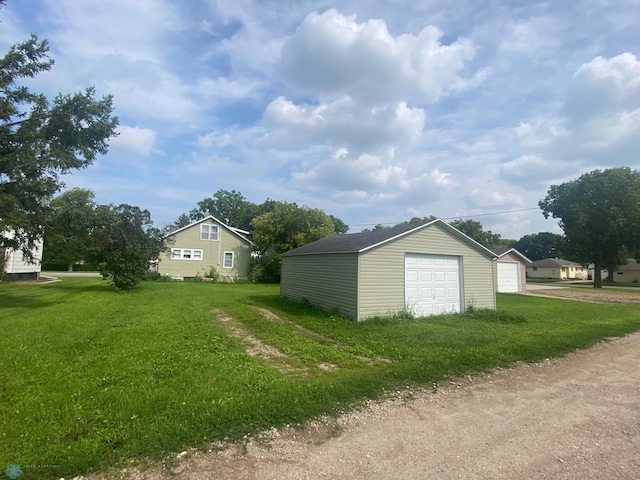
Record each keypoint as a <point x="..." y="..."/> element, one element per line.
<point x="90" y="379"/>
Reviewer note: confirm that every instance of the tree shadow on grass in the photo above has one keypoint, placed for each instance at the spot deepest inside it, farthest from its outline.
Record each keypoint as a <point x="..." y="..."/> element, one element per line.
<point x="47" y="295"/>
<point x="287" y="306"/>
<point x="24" y="301"/>
<point x="65" y="287"/>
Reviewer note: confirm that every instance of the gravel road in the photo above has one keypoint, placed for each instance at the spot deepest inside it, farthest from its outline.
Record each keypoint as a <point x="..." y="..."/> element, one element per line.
<point x="577" y="417"/>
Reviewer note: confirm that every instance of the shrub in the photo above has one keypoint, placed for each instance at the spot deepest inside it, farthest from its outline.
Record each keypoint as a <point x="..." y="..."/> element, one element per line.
<point x="265" y="268"/>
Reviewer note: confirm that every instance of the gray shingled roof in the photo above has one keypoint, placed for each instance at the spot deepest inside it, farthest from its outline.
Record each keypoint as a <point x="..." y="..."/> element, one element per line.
<point x="554" y="262"/>
<point x="358" y="242"/>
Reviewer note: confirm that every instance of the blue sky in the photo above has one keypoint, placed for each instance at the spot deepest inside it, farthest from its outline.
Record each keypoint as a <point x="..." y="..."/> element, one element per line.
<point x="374" y="111"/>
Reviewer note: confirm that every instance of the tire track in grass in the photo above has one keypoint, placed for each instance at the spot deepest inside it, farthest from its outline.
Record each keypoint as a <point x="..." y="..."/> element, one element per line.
<point x="255" y="347"/>
<point x="313" y="335"/>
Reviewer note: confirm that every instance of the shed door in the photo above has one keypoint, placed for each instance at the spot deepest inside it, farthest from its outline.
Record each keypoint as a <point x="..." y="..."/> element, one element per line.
<point x="508" y="277"/>
<point x="432" y="284"/>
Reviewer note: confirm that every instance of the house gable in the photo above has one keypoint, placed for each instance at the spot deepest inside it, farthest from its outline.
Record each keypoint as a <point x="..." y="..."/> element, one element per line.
<point x="204" y="245"/>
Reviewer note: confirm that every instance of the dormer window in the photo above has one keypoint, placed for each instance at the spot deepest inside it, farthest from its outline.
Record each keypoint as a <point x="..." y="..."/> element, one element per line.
<point x="208" y="232"/>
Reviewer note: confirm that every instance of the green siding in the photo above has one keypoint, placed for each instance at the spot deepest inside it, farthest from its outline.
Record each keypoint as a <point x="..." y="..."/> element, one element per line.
<point x="381" y="287"/>
<point x="212" y="254"/>
<point x="328" y="281"/>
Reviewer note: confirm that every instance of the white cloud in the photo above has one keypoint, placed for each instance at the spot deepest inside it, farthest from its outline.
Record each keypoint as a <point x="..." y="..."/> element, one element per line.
<point x="533" y="172"/>
<point x="540" y="134"/>
<point x="534" y="36"/>
<point x="381" y="176"/>
<point x="132" y="31"/>
<point x="133" y="140"/>
<point x="483" y="199"/>
<point x="341" y="122"/>
<point x="604" y="87"/>
<point x="331" y="55"/>
<point x="216" y="139"/>
<point x="166" y="99"/>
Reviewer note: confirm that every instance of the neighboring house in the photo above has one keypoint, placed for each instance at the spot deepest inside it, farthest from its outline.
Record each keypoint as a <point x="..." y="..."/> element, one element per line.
<point x="17" y="267"/>
<point x="630" y="272"/>
<point x="556" y="268"/>
<point x="510" y="270"/>
<point x="425" y="268"/>
<point x="204" y="245"/>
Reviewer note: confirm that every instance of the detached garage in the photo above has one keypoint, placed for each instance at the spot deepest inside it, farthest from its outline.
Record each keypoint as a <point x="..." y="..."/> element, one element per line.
<point x="511" y="274"/>
<point x="426" y="268"/>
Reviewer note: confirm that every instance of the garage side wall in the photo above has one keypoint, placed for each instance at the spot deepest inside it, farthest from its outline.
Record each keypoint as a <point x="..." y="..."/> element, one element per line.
<point x="382" y="281"/>
<point x="329" y="281"/>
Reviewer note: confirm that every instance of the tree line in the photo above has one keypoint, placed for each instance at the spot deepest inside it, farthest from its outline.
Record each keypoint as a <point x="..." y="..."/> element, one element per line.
<point x="599" y="213"/>
<point x="78" y="230"/>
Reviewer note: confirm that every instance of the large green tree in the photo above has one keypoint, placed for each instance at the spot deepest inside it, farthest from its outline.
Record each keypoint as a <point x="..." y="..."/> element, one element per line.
<point x="68" y="236"/>
<point x="537" y="246"/>
<point x="40" y="140"/>
<point x="182" y="221"/>
<point x="285" y="227"/>
<point x="475" y="230"/>
<point x="126" y="243"/>
<point x="231" y="207"/>
<point x="599" y="214"/>
<point x="290" y="226"/>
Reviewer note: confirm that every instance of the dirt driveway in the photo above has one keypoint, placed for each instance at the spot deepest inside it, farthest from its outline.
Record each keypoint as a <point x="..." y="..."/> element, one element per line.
<point x="572" y="418"/>
<point x="587" y="294"/>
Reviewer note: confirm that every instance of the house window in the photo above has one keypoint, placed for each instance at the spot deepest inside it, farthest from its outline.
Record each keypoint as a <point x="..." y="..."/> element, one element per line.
<point x="186" y="254"/>
<point x="535" y="269"/>
<point x="208" y="232"/>
<point x="228" y="260"/>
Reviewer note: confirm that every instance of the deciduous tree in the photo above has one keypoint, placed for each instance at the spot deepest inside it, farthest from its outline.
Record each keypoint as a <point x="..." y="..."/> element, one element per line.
<point x="286" y="227"/>
<point x="126" y="243"/>
<point x="475" y="230"/>
<point x="68" y="234"/>
<point x="537" y="246"/>
<point x="599" y="214"/>
<point x="231" y="207"/>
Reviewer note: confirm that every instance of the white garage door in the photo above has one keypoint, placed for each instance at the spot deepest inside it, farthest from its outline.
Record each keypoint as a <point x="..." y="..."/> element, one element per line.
<point x="507" y="277"/>
<point x="432" y="284"/>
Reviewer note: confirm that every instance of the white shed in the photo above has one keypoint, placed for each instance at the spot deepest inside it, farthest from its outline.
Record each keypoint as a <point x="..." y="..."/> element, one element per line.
<point x="510" y="270"/>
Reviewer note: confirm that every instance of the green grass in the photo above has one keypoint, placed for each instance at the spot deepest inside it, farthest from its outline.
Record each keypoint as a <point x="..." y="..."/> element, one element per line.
<point x="90" y="379"/>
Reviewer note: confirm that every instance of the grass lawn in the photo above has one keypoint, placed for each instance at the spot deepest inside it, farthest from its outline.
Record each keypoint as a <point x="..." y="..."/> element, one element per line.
<point x="90" y="379"/>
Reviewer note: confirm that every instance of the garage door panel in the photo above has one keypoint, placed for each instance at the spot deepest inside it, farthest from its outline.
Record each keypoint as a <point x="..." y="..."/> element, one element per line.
<point x="432" y="284"/>
<point x="508" y="274"/>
